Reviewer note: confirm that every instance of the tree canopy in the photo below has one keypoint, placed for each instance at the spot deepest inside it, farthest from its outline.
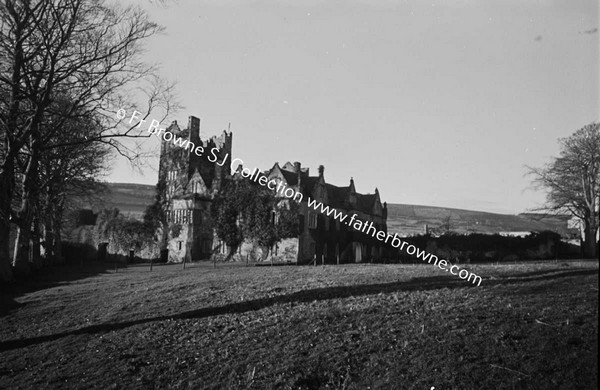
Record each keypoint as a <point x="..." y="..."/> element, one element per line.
<point x="66" y="67"/>
<point x="572" y="181"/>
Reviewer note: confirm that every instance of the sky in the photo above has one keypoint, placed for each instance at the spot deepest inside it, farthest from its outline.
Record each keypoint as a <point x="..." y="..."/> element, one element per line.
<point x="434" y="103"/>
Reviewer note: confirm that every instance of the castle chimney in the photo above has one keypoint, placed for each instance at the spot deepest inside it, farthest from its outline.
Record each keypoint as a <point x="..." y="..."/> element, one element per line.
<point x="321" y="170"/>
<point x="297" y="168"/>
<point x="193" y="123"/>
<point x="239" y="169"/>
<point x="194" y="128"/>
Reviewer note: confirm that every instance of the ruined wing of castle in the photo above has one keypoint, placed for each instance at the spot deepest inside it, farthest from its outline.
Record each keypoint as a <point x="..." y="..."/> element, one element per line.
<point x="192" y="181"/>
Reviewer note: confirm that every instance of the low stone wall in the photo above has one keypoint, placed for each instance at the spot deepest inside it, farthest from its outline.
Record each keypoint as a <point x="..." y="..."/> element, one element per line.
<point x="286" y="251"/>
<point x="85" y="237"/>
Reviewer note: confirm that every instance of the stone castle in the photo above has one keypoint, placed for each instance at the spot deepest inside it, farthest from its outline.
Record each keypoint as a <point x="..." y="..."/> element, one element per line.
<point x="192" y="181"/>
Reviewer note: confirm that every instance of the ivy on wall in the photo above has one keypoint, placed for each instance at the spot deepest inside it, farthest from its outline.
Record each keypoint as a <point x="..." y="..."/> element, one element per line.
<point x="123" y="233"/>
<point x="244" y="210"/>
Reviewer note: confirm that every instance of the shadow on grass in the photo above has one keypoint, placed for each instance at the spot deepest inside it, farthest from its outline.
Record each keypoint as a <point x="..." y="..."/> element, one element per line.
<point x="534" y="273"/>
<point x="318" y="294"/>
<point x="47" y="277"/>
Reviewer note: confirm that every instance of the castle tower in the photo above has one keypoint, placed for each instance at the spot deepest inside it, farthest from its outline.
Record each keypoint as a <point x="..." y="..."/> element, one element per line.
<point x="192" y="174"/>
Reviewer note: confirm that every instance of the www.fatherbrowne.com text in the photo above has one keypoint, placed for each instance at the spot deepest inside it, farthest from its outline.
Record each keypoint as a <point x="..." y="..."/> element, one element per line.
<point x="280" y="188"/>
<point x="394" y="240"/>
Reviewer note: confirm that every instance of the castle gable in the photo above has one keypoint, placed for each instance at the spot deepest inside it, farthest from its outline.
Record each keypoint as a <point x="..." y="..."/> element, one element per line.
<point x="174" y="128"/>
<point x="196" y="185"/>
<point x="294" y="168"/>
<point x="338" y="196"/>
<point x="365" y="202"/>
<point x="319" y="191"/>
<point x="288" y="166"/>
<point x="279" y="175"/>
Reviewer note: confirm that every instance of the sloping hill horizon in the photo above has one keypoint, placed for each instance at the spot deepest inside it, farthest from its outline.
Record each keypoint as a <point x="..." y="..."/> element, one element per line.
<point x="412" y="219"/>
<point x="404" y="219"/>
<point x="130" y="198"/>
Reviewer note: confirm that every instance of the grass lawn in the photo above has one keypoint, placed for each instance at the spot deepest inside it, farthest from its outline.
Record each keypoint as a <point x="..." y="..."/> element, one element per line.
<point x="528" y="326"/>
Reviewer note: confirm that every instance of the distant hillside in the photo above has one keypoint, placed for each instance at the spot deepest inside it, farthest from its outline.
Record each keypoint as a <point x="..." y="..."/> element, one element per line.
<point x="130" y="199"/>
<point x="133" y="198"/>
<point x="404" y="219"/>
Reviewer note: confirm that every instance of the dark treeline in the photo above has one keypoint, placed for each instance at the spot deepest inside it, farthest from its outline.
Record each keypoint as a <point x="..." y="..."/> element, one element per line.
<point x="491" y="247"/>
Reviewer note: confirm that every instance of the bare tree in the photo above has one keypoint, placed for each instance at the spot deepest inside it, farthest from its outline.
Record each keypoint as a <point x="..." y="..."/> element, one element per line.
<point x="572" y="182"/>
<point x="66" y="172"/>
<point x="82" y="49"/>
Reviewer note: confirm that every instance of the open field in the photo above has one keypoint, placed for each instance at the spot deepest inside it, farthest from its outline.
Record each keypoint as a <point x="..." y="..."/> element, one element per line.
<point x="528" y="326"/>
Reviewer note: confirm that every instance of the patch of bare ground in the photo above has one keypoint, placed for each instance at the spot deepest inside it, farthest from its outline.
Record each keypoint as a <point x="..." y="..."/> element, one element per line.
<point x="528" y="326"/>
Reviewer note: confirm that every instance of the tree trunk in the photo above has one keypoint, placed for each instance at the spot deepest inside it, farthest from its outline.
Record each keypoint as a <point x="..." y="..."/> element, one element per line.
<point x="26" y="212"/>
<point x="21" y="264"/>
<point x="36" y="258"/>
<point x="57" y="229"/>
<point x="58" y="257"/>
<point x="6" y="274"/>
<point x="8" y="152"/>
<point x="48" y="237"/>
<point x="231" y="252"/>
<point x="164" y="236"/>
<point x="590" y="249"/>
<point x="6" y="190"/>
